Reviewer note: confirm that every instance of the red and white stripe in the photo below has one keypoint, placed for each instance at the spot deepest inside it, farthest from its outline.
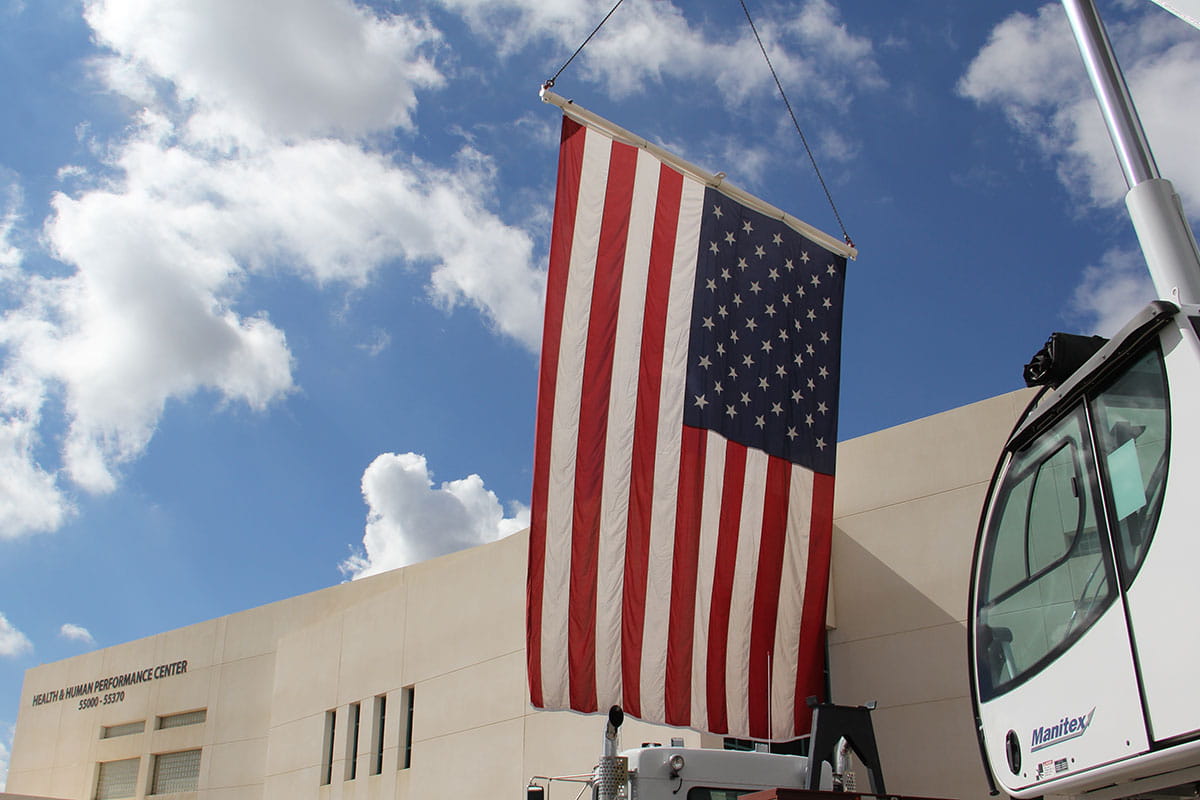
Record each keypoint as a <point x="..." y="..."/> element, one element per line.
<point x="671" y="572"/>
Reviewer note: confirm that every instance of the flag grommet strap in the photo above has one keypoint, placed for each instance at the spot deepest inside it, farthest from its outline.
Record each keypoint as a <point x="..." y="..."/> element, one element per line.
<point x="685" y="448"/>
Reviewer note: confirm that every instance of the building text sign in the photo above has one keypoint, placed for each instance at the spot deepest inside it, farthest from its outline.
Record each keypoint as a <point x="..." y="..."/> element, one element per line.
<point x="96" y="687"/>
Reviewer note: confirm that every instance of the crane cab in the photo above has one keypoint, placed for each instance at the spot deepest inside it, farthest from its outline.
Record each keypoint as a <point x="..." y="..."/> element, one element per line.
<point x="1083" y="630"/>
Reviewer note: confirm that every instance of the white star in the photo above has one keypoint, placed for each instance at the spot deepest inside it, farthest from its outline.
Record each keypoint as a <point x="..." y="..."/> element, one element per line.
<point x="773" y="274"/>
<point x="820" y="443"/>
<point x="776" y="409"/>
<point x="725" y="273"/>
<point x="787" y="300"/>
<point x="760" y="422"/>
<point x="733" y="337"/>
<point x="800" y="291"/>
<point x="804" y="256"/>
<point x="730" y="238"/>
<point x="762" y="384"/>
<point x="708" y="323"/>
<point x="824" y="373"/>
<point x="811" y="384"/>
<point x="748" y="360"/>
<point x="791" y="434"/>
<point x="798" y="326"/>
<point x="777" y="239"/>
<point x="754" y="287"/>
<point x="781" y="371"/>
<point x="783" y="334"/>
<point x="718" y="388"/>
<point x="788" y="265"/>
<point x="747" y="227"/>
<point x="711" y="285"/>
<point x="796" y="396"/>
<point x="812" y="314"/>
<point x="701" y="402"/>
<point x="826" y="303"/>
<point x="704" y="362"/>
<point x="832" y="270"/>
<point x="808" y="348"/>
<point x="799" y="359"/>
<point x="745" y="399"/>
<point x="758" y="251"/>
<point x="722" y="311"/>
<point x="713" y="247"/>
<point x="720" y="349"/>
<point x="742" y="265"/>
<point x="733" y="373"/>
<point x="822" y="407"/>
<point x="808" y="420"/>
<point x="770" y="310"/>
<point x="717" y="211"/>
<point x="731" y="411"/>
<point x="737" y="299"/>
<point x="751" y="324"/>
<point x="766" y="346"/>
<point x="824" y="337"/>
<point x="815" y="280"/>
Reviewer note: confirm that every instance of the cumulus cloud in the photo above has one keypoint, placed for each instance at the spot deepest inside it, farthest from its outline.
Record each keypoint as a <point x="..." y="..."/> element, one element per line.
<point x="812" y="51"/>
<point x="13" y="643"/>
<point x="253" y="152"/>
<point x="5" y="753"/>
<point x="76" y="633"/>
<point x="1031" y="70"/>
<point x="10" y="209"/>
<point x="411" y="520"/>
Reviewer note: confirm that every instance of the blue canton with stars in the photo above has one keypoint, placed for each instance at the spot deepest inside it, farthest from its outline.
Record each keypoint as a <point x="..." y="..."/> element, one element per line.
<point x="765" y="339"/>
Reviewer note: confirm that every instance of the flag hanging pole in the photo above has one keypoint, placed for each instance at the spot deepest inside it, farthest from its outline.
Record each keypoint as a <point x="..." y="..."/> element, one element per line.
<point x="717" y="181"/>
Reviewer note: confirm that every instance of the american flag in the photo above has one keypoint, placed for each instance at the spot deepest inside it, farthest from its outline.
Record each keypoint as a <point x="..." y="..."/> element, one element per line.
<point x="685" y="446"/>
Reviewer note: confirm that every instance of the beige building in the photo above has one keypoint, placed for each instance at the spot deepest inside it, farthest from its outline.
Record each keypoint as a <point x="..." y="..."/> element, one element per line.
<point x="411" y="684"/>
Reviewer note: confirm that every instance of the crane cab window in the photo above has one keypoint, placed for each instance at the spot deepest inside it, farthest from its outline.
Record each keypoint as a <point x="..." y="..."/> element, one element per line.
<point x="1044" y="576"/>
<point x="1131" y="422"/>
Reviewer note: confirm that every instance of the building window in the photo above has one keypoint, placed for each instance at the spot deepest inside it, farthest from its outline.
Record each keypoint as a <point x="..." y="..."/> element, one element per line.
<point x="112" y="731"/>
<point x="117" y="779"/>
<point x="176" y="772"/>
<point x="408" y="695"/>
<point x="377" y="730"/>
<point x="327" y="748"/>
<point x="179" y="720"/>
<point x="352" y="741"/>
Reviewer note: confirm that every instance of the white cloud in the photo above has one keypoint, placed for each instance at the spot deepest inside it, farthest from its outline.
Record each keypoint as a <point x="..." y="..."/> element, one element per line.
<point x="1111" y="291"/>
<point x="272" y="66"/>
<point x="13" y="643"/>
<point x="233" y="167"/>
<point x="1031" y="69"/>
<point x="10" y="211"/>
<point x="411" y="520"/>
<point x="651" y="42"/>
<point x="76" y="633"/>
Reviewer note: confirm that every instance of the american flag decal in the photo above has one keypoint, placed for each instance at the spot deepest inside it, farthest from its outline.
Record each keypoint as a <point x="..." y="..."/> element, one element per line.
<point x="686" y="437"/>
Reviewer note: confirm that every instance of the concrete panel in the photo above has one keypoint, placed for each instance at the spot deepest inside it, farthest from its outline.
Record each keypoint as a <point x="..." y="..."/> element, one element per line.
<point x="307" y="665"/>
<point x="953" y="449"/>
<point x="250" y="633"/>
<point x="296" y="745"/>
<point x="472" y="697"/>
<point x="237" y="764"/>
<point x="923" y="666"/>
<point x="930" y="750"/>
<point x="905" y="566"/>
<point x="372" y="646"/>
<point x="476" y="615"/>
<point x="250" y="681"/>
<point x="479" y="763"/>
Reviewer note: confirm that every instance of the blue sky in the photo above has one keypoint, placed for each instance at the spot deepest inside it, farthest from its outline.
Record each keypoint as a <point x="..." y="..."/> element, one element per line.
<point x="271" y="272"/>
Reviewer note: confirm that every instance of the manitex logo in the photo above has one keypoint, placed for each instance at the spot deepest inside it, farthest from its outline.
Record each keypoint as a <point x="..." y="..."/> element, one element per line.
<point x="1064" y="730"/>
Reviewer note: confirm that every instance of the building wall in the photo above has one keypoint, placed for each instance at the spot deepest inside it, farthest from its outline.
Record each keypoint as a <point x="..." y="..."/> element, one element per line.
<point x="452" y="631"/>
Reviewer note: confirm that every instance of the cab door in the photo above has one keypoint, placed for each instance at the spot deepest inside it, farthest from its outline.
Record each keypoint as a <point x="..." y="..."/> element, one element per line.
<point x="1055" y="674"/>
